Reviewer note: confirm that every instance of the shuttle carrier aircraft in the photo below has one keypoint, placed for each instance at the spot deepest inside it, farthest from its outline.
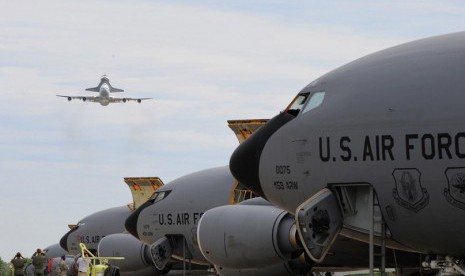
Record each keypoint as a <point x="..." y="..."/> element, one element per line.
<point x="104" y="89"/>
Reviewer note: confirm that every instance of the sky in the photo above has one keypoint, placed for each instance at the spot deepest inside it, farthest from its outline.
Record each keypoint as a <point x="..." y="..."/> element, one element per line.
<point x="203" y="63"/>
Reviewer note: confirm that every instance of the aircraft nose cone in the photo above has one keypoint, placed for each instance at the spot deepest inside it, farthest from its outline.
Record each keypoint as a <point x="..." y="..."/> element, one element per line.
<point x="64" y="240"/>
<point x="131" y="222"/>
<point x="245" y="160"/>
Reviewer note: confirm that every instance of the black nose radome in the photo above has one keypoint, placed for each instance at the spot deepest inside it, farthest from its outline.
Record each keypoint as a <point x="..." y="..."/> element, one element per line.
<point x="245" y="160"/>
<point x="64" y="239"/>
<point x="131" y="222"/>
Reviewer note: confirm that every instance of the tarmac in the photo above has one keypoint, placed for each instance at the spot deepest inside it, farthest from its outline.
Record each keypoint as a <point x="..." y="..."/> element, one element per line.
<point x="192" y="272"/>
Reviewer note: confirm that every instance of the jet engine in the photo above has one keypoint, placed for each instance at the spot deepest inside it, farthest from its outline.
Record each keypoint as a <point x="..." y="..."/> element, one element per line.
<point x="247" y="236"/>
<point x="136" y="254"/>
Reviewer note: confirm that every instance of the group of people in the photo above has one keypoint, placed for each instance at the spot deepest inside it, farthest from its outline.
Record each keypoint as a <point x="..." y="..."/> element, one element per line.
<point x="39" y="261"/>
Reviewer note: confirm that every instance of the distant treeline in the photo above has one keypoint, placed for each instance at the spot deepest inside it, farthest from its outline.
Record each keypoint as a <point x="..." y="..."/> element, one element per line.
<point x="6" y="268"/>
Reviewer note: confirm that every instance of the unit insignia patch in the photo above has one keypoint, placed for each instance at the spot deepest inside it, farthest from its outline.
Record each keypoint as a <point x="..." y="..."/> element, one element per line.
<point x="455" y="192"/>
<point x="408" y="191"/>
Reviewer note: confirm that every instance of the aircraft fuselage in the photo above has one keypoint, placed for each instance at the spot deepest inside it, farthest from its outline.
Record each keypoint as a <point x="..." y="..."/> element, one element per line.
<point x="392" y="120"/>
<point x="178" y="212"/>
<point x="104" y="94"/>
<point x="87" y="231"/>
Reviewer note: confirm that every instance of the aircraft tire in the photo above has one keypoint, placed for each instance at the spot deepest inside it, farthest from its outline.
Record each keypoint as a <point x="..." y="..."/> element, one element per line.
<point x="163" y="271"/>
<point x="111" y="271"/>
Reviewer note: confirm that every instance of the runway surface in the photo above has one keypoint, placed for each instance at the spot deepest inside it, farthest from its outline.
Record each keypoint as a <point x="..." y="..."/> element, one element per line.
<point x="193" y="272"/>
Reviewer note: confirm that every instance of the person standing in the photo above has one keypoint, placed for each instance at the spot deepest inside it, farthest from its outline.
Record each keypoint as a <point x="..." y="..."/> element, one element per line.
<point x="62" y="267"/>
<point x="83" y="264"/>
<point x="18" y="263"/>
<point x="38" y="261"/>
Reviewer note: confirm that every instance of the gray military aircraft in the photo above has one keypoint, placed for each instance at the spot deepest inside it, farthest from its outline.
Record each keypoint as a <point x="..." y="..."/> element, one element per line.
<point x="168" y="221"/>
<point x="53" y="254"/>
<point x="104" y="89"/>
<point x="381" y="137"/>
<point x="54" y="250"/>
<point x="194" y="230"/>
<point x="103" y="232"/>
<point x="209" y="218"/>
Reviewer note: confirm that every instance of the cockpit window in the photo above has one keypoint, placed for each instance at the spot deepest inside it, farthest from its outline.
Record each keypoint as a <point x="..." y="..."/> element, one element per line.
<point x="315" y="100"/>
<point x="296" y="105"/>
<point x="158" y="196"/>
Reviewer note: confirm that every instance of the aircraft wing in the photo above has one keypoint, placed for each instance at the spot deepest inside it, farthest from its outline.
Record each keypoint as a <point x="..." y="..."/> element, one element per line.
<point x="112" y="89"/>
<point x="93" y="89"/>
<point x="123" y="100"/>
<point x="84" y="98"/>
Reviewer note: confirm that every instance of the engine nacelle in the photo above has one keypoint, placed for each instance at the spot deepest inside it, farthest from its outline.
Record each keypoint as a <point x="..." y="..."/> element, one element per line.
<point x="136" y="254"/>
<point x="124" y="100"/>
<point x="247" y="236"/>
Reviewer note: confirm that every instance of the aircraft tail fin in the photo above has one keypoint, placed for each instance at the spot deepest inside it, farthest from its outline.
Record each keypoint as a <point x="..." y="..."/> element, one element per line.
<point x="142" y="188"/>
<point x="244" y="128"/>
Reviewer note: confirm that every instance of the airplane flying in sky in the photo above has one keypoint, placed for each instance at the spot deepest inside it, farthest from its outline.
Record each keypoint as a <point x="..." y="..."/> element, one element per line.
<point x="381" y="138"/>
<point x="104" y="89"/>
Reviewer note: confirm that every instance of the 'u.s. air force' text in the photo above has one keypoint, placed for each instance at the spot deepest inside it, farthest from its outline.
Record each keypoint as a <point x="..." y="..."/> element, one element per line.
<point x="179" y="218"/>
<point x="382" y="147"/>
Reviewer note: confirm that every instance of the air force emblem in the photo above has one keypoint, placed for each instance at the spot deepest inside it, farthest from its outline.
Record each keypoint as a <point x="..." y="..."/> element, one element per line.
<point x="408" y="191"/>
<point x="455" y="192"/>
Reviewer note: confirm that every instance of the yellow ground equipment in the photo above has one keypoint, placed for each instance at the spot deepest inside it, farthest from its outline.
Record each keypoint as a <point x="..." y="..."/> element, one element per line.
<point x="99" y="266"/>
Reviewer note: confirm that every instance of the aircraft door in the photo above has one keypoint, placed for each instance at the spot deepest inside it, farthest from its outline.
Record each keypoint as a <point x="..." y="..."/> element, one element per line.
<point x="161" y="252"/>
<point x="354" y="202"/>
<point x="319" y="221"/>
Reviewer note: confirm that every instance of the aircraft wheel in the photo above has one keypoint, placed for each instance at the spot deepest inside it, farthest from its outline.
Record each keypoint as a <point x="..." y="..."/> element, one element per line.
<point x="111" y="271"/>
<point x="163" y="271"/>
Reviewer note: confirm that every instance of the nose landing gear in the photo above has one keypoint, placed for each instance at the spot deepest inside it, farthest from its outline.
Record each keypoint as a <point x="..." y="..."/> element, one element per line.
<point x="447" y="265"/>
